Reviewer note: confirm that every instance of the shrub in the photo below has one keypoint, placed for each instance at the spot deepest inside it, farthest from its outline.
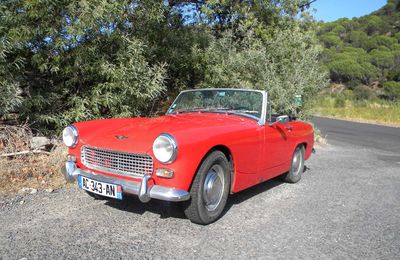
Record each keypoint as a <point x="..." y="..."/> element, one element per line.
<point x="352" y="84"/>
<point x="331" y="40"/>
<point x="363" y="93"/>
<point x="392" y="89"/>
<point x="340" y="101"/>
<point x="285" y="65"/>
<point x="348" y="94"/>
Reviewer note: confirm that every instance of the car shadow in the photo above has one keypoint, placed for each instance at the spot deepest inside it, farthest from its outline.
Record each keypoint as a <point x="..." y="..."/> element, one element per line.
<point x="132" y="204"/>
<point x="242" y="196"/>
<point x="175" y="210"/>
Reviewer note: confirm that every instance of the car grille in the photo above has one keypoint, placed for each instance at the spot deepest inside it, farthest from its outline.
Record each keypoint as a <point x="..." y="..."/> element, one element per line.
<point x="122" y="163"/>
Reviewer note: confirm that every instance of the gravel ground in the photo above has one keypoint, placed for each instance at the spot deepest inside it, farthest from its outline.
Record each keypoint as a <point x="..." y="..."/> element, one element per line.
<point x="346" y="206"/>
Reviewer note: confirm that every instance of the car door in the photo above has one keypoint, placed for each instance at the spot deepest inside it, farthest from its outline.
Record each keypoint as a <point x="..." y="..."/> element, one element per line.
<point x="276" y="149"/>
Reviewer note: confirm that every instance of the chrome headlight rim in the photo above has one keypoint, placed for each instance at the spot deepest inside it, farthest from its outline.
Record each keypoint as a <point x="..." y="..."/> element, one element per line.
<point x="174" y="145"/>
<point x="75" y="135"/>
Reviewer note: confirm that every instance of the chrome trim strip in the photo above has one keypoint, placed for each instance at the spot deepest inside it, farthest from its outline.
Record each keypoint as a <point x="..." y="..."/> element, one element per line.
<point x="162" y="192"/>
<point x="263" y="118"/>
<point x="224" y="89"/>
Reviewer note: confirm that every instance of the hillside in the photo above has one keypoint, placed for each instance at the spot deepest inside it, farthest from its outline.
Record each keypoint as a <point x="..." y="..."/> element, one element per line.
<point x="365" y="51"/>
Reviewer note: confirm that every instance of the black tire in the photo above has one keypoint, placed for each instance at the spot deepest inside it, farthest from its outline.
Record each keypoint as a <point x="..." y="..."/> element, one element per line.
<point x="296" y="170"/>
<point x="202" y="209"/>
<point x="96" y="196"/>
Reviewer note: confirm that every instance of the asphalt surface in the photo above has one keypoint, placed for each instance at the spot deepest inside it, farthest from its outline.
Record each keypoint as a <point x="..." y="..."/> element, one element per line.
<point x="347" y="206"/>
<point x="360" y="134"/>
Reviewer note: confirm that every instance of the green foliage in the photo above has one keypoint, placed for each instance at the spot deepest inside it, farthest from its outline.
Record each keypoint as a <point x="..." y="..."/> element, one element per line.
<point x="10" y="91"/>
<point x="378" y="41"/>
<point x="363" y="93"/>
<point x="331" y="40"/>
<point x="382" y="58"/>
<point x="392" y="89"/>
<point x="76" y="61"/>
<point x="373" y="24"/>
<point x="346" y="70"/>
<point x="269" y="65"/>
<point x="357" y="39"/>
<point x="367" y="50"/>
<point x="340" y="101"/>
<point x="65" y="61"/>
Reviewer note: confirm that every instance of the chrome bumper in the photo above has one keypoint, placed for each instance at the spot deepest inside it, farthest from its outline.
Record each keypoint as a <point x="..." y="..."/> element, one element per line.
<point x="141" y="189"/>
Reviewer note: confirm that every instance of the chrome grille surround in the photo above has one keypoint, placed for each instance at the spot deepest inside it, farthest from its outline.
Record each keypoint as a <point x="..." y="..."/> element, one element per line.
<point x="117" y="162"/>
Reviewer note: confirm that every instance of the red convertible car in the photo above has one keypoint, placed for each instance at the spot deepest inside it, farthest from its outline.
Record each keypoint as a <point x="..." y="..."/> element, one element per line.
<point x="211" y="143"/>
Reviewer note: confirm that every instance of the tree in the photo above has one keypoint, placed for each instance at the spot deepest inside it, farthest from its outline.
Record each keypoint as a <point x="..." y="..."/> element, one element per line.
<point x="284" y="65"/>
<point x="369" y="50"/>
<point x="357" y="39"/>
<point x="382" y="57"/>
<point x="78" y="60"/>
<point x="380" y="41"/>
<point x="392" y="89"/>
<point x="65" y="61"/>
<point x="331" y="40"/>
<point x="373" y="24"/>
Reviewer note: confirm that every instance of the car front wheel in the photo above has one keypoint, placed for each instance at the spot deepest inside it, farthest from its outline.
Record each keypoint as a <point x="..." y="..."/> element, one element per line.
<point x="210" y="190"/>
<point x="297" y="166"/>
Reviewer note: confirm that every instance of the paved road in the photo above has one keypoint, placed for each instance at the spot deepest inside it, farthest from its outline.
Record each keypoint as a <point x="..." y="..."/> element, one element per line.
<point x="360" y="134"/>
<point x="347" y="206"/>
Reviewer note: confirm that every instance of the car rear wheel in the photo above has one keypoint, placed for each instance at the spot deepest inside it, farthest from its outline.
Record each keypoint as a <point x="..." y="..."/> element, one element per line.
<point x="297" y="166"/>
<point x="210" y="190"/>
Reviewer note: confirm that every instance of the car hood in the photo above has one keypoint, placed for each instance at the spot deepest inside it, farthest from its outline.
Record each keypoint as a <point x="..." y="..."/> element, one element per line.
<point x="138" y="134"/>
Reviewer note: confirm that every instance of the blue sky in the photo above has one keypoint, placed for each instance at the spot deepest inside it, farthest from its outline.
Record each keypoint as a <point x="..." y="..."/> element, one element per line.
<point x="330" y="10"/>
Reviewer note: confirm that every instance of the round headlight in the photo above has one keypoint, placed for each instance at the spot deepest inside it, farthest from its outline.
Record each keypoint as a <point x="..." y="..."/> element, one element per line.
<point x="165" y="148"/>
<point x="70" y="136"/>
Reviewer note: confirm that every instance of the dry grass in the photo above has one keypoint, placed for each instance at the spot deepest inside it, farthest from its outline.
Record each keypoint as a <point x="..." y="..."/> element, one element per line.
<point x="376" y="112"/>
<point x="39" y="171"/>
<point x="14" y="138"/>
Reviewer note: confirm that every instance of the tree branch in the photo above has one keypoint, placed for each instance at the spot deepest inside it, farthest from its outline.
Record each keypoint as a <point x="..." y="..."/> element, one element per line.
<point x="22" y="153"/>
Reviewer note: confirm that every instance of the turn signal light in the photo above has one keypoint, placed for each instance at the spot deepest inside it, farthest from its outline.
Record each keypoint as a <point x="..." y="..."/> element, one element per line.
<point x="165" y="173"/>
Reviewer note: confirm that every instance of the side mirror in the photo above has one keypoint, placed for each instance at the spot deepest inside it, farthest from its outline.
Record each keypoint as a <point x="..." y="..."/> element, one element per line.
<point x="280" y="120"/>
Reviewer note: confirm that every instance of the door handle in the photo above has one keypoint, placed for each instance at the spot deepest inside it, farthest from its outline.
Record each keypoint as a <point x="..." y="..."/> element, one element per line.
<point x="289" y="128"/>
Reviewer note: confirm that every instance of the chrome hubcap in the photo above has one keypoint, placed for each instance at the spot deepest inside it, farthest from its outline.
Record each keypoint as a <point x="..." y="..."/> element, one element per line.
<point x="213" y="188"/>
<point x="297" y="162"/>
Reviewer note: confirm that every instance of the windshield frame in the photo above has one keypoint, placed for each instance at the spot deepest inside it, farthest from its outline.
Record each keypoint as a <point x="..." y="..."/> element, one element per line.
<point x="261" y="121"/>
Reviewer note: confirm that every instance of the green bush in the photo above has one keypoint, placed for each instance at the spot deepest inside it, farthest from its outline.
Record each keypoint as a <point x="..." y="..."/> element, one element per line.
<point x="250" y="63"/>
<point x="340" y="101"/>
<point x="363" y="93"/>
<point x="81" y="60"/>
<point x="368" y="51"/>
<point x="352" y="84"/>
<point x="348" y="94"/>
<point x="392" y="89"/>
<point x="331" y="40"/>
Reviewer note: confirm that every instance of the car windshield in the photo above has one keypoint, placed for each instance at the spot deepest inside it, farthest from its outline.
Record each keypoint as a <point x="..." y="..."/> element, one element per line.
<point x="241" y="102"/>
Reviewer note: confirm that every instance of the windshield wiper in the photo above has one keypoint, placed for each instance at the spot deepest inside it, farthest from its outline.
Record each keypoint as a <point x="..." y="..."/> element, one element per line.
<point x="243" y="111"/>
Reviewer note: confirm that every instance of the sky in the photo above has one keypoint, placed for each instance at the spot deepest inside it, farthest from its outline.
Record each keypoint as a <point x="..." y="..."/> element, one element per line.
<point x="331" y="10"/>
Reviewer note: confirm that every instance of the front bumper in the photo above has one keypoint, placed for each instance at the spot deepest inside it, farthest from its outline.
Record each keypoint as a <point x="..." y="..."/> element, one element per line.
<point x="142" y="189"/>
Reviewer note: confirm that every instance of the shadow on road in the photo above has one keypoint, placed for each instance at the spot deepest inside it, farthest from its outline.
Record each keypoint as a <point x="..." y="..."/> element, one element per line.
<point x="175" y="210"/>
<point x="164" y="208"/>
<point x="251" y="192"/>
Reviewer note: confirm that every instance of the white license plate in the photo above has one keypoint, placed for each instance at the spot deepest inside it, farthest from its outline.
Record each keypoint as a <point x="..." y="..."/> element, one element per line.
<point x="99" y="187"/>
